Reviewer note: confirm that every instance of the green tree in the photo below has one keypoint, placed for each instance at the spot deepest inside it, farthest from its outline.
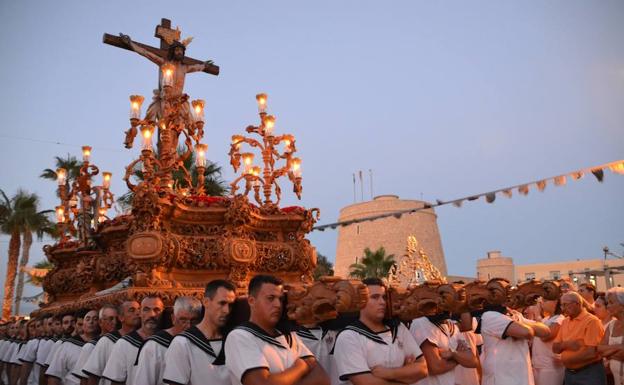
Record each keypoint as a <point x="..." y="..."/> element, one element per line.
<point x="323" y="266"/>
<point x="374" y="264"/>
<point x="70" y="164"/>
<point x="19" y="218"/>
<point x="41" y="265"/>
<point x="213" y="184"/>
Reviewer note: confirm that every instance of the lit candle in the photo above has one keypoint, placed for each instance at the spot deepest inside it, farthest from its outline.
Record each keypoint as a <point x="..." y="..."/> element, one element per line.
<point x="269" y="124"/>
<point x="102" y="214"/>
<point x="288" y="141"/>
<point x="200" y="154"/>
<point x="247" y="161"/>
<point x="135" y="106"/>
<point x="167" y="75"/>
<point x="106" y="179"/>
<point x="146" y="133"/>
<point x="296" y="167"/>
<point x="86" y="153"/>
<point x="61" y="176"/>
<point x="60" y="214"/>
<point x="198" y="109"/>
<point x="262" y="102"/>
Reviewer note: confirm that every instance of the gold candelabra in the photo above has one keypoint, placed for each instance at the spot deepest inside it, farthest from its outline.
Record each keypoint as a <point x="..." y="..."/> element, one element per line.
<point x="87" y="205"/>
<point x="175" y="117"/>
<point x="273" y="149"/>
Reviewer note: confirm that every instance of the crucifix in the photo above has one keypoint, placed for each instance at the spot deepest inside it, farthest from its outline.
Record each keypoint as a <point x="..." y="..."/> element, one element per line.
<point x="171" y="59"/>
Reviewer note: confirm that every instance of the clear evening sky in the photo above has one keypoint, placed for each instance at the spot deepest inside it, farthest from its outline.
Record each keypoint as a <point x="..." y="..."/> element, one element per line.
<point x="439" y="99"/>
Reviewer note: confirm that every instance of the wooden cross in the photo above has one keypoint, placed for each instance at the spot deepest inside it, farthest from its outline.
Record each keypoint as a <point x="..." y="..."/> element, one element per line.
<point x="165" y="34"/>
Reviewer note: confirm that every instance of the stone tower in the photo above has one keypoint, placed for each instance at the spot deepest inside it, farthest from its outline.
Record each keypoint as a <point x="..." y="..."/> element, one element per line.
<point x="495" y="266"/>
<point x="391" y="232"/>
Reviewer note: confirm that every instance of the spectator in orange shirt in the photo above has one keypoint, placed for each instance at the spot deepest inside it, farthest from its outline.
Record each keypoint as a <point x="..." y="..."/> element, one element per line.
<point x="577" y="341"/>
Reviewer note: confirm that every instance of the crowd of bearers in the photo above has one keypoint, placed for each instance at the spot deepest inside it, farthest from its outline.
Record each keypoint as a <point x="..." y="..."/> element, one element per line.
<point x="223" y="340"/>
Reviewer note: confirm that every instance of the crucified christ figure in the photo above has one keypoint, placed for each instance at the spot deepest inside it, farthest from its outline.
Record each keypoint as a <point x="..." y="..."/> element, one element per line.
<point x="175" y="61"/>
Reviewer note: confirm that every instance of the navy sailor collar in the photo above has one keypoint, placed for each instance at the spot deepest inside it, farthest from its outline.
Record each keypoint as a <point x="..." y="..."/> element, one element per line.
<point x="359" y="327"/>
<point x="134" y="339"/>
<point x="76" y="340"/>
<point x="113" y="336"/>
<point x="162" y="338"/>
<point x="197" y="338"/>
<point x="305" y="332"/>
<point x="262" y="334"/>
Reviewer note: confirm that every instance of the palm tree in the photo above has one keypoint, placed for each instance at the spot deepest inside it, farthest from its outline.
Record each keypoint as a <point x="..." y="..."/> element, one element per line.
<point x="374" y="264"/>
<point x="323" y="266"/>
<point x="213" y="184"/>
<point x="38" y="271"/>
<point x="70" y="164"/>
<point x="19" y="218"/>
<point x="32" y="221"/>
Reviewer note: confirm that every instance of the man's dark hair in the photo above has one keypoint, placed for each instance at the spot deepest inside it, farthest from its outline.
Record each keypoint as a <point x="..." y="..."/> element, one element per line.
<point x="214" y="285"/>
<point x="67" y="313"/>
<point x="373" y="281"/>
<point x="81" y="313"/>
<point x="256" y="283"/>
<point x="172" y="47"/>
<point x="58" y="317"/>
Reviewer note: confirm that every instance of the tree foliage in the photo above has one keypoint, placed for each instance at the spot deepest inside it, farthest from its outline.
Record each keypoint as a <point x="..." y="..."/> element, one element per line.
<point x="323" y="266"/>
<point x="374" y="264"/>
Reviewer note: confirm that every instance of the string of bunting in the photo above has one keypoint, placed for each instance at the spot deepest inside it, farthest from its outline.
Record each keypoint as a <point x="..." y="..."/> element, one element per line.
<point x="560" y="180"/>
<point x="34" y="299"/>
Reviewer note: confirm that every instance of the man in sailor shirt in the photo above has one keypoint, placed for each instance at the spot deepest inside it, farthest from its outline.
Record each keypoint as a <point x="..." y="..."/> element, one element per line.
<point x="60" y="369"/>
<point x="28" y="355"/>
<point x="14" y="361"/>
<point x="257" y="353"/>
<point x="128" y="314"/>
<point x="68" y="323"/>
<point x="53" y="329"/>
<point x="106" y="321"/>
<point x="370" y="351"/>
<point x="192" y="355"/>
<point x="120" y="366"/>
<point x="151" y="359"/>
<point x="506" y="334"/>
<point x="443" y="345"/>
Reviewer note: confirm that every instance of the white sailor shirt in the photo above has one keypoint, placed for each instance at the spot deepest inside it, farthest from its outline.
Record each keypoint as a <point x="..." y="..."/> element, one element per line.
<point x="29" y="355"/>
<point x="44" y="349"/>
<point x="320" y="342"/>
<point x="53" y="350"/>
<point x="95" y="364"/>
<point x="85" y="353"/>
<point x="120" y="366"/>
<point x="65" y="359"/>
<point x="150" y="363"/>
<point x="192" y="358"/>
<point x="358" y="349"/>
<point x="249" y="347"/>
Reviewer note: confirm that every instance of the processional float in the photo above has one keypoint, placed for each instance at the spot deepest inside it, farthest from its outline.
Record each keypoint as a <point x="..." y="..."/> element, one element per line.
<point x="177" y="237"/>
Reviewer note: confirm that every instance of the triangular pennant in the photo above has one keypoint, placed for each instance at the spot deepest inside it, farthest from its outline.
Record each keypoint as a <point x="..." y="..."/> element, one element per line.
<point x="541" y="185"/>
<point x="473" y="198"/>
<point x="490" y="197"/>
<point x="599" y="174"/>
<point x="508" y="193"/>
<point x="458" y="203"/>
<point x="524" y="189"/>
<point x="560" y="180"/>
<point x="577" y="175"/>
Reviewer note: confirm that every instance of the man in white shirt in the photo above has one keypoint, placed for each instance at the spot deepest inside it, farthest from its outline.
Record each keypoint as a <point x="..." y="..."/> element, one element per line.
<point x="506" y="334"/>
<point x="151" y="360"/>
<point x="370" y="351"/>
<point x="60" y="370"/>
<point x="107" y="322"/>
<point x="52" y="329"/>
<point x="130" y="318"/>
<point x="257" y="353"/>
<point x="29" y="354"/>
<point x="196" y="354"/>
<point x="120" y="366"/>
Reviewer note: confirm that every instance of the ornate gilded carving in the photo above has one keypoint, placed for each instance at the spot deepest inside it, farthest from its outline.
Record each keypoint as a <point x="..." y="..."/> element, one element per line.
<point x="414" y="267"/>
